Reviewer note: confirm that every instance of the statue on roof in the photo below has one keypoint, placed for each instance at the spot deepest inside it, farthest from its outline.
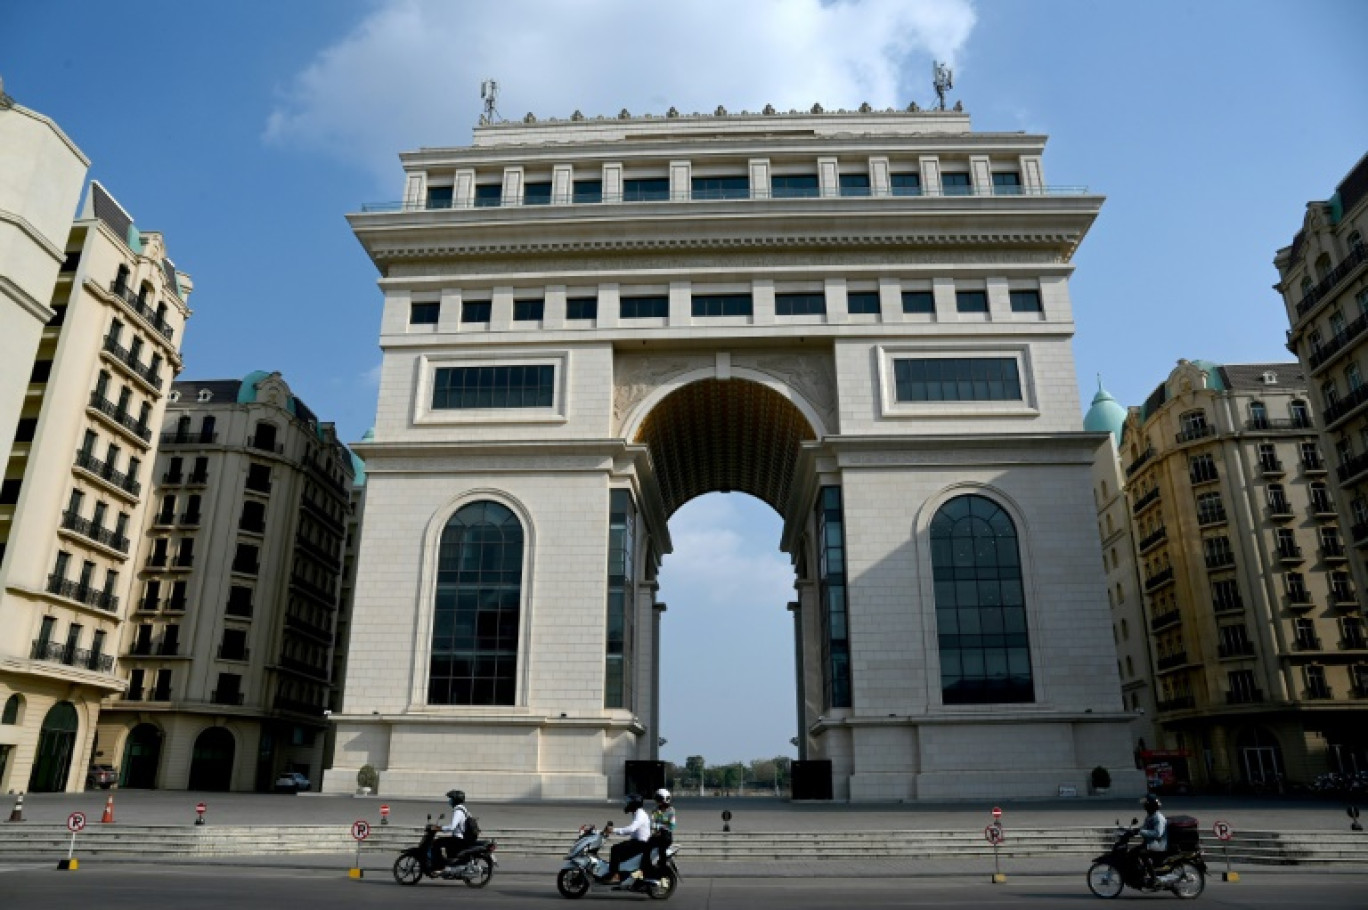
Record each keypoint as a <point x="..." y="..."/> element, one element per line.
<point x="943" y="78"/>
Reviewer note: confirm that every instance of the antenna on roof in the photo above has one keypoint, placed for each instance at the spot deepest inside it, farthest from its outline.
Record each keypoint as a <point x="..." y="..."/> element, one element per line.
<point x="489" y="92"/>
<point x="943" y="78"/>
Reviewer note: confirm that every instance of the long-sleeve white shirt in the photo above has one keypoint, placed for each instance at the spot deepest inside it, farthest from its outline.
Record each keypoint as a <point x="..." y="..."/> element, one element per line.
<point x="639" y="829"/>
<point x="458" y="820"/>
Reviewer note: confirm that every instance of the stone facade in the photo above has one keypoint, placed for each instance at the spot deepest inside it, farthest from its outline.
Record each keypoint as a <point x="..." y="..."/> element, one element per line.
<point x="229" y="646"/>
<point x="862" y="319"/>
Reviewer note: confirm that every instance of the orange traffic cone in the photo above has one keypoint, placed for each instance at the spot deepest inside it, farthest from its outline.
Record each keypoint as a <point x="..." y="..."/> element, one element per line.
<point x="109" y="810"/>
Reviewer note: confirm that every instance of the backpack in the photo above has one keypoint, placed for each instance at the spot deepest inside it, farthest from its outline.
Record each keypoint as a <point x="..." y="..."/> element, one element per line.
<point x="472" y="827"/>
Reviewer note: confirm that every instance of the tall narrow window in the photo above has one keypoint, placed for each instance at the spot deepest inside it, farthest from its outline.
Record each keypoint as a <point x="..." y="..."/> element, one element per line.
<point x="617" y="688"/>
<point x="980" y="604"/>
<point x="479" y="594"/>
<point x="831" y="556"/>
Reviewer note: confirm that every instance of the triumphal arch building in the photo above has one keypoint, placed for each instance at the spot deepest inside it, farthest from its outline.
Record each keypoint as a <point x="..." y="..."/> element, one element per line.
<point x="862" y="318"/>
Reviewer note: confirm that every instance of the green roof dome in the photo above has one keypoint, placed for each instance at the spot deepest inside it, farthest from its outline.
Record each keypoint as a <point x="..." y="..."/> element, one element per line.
<point x="247" y="392"/>
<point x="1106" y="414"/>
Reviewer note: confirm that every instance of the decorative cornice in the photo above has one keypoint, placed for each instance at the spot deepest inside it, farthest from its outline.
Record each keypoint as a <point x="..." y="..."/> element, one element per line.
<point x="721" y="113"/>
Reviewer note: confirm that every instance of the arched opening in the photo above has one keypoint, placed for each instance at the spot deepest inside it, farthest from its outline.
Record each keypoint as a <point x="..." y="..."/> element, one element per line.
<point x="56" y="745"/>
<point x="211" y="763"/>
<point x="738" y="703"/>
<point x="142" y="754"/>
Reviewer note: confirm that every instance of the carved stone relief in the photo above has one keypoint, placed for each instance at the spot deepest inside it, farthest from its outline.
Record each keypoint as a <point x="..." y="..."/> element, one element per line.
<point x="636" y="376"/>
<point x="812" y="376"/>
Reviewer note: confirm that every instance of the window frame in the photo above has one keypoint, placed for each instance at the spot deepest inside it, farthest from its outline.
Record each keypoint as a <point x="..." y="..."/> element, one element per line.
<point x="893" y="408"/>
<point x="423" y="412"/>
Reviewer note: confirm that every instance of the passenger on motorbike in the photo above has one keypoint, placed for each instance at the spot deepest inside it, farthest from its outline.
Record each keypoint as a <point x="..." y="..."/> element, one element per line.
<point x="637" y="834"/>
<point x="1154" y="835"/>
<point x="456" y="839"/>
<point x="662" y="823"/>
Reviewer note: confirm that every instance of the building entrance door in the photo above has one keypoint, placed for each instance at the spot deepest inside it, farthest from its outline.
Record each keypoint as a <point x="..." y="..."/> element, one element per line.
<point x="1261" y="765"/>
<point x="56" y="743"/>
<point x="211" y="765"/>
<point x="141" y="757"/>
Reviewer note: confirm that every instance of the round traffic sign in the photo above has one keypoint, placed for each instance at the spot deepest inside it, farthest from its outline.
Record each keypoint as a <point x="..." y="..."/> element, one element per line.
<point x="200" y="807"/>
<point x="994" y="834"/>
<point x="360" y="829"/>
<point x="384" y="810"/>
<point x="76" y="821"/>
<point x="997" y="813"/>
<point x="1222" y="830"/>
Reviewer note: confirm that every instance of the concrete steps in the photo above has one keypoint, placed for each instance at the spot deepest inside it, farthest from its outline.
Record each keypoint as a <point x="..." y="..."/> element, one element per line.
<point x="1253" y="847"/>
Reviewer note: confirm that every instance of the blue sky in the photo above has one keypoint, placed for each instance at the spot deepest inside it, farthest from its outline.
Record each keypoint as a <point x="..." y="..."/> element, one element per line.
<point x="247" y="130"/>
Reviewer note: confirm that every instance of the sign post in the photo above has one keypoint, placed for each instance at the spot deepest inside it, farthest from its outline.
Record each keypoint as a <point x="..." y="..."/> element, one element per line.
<point x="384" y="814"/>
<point x="360" y="830"/>
<point x="75" y="822"/>
<point x="199" y="813"/>
<point x="995" y="836"/>
<point x="1223" y="833"/>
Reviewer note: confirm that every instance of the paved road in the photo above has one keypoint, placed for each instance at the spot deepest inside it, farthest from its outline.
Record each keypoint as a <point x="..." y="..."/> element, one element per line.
<point x="112" y="886"/>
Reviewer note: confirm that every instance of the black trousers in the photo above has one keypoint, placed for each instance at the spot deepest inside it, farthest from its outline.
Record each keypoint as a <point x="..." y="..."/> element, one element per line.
<point x="622" y="852"/>
<point x="448" y="847"/>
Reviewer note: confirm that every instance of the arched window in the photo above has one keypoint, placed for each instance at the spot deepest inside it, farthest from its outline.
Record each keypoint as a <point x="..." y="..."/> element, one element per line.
<point x="12" y="706"/>
<point x="980" y="604"/>
<point x="479" y="597"/>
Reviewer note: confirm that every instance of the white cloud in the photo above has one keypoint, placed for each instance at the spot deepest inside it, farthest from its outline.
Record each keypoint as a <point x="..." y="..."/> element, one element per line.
<point x="409" y="74"/>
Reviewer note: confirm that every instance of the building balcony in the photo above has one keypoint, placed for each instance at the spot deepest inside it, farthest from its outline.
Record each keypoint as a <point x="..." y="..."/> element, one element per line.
<point x="1319" y="693"/>
<point x="1192" y="434"/>
<point x="1225" y="607"/>
<point x="1245" y="697"/>
<point x="302" y="668"/>
<point x="124" y="357"/>
<point x="1354" y="643"/>
<point x="225" y="653"/>
<point x="1327" y="285"/>
<point x="1171" y="661"/>
<point x="1342" y="597"/>
<point x="1278" y="425"/>
<point x="102" y="470"/>
<point x="89" y="530"/>
<point x="1271" y="467"/>
<point x="74" y="590"/>
<point x="1198" y="478"/>
<point x="1139" y="461"/>
<point x="1344" y="407"/>
<point x="1280" y="510"/>
<point x="1157" y="536"/>
<point x="177" y="438"/>
<point x="159" y="693"/>
<point x="1164" y="620"/>
<point x="197" y="478"/>
<point x="164" y="519"/>
<point x="1336" y="344"/>
<point x="137" y="305"/>
<point x="156" y="560"/>
<point x="1358" y="533"/>
<point x="1180" y="703"/>
<point x="121" y="419"/>
<point x="225" y="698"/>
<point x="1145" y="501"/>
<point x="1290" y="553"/>
<point x="190" y="519"/>
<point x="1334" y="552"/>
<point x="1352" y="468"/>
<point x="175" y="604"/>
<point x="1159" y="579"/>
<point x="81" y="658"/>
<point x="147" y="605"/>
<point x="1314" y="465"/>
<point x="1299" y="599"/>
<point x="1234" y="651"/>
<point x="1209" y="517"/>
<point x="1322" y="507"/>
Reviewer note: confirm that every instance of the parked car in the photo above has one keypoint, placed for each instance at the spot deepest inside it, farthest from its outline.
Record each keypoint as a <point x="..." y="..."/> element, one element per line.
<point x="291" y="782"/>
<point x="102" y="776"/>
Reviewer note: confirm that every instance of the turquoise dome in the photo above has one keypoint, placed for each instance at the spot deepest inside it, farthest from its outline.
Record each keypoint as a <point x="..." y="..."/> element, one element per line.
<point x="247" y="392"/>
<point x="1106" y="414"/>
<point x="1213" y="371"/>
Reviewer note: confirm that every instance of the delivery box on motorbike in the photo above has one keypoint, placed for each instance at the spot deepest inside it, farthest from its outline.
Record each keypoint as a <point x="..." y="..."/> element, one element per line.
<point x="1184" y="834"/>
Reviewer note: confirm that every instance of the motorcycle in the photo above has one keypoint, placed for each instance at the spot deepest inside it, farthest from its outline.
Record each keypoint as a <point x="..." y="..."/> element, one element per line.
<point x="652" y="873"/>
<point x="1181" y="870"/>
<point x="474" y="865"/>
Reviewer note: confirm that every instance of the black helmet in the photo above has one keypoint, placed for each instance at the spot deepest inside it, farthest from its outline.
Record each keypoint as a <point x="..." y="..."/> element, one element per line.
<point x="1151" y="803"/>
<point x="455" y="797"/>
<point x="631" y="802"/>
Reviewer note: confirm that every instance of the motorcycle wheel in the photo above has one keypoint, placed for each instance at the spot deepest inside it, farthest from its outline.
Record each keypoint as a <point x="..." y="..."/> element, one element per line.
<point x="1104" y="880"/>
<point x="664" y="887"/>
<point x="481" y="870"/>
<point x="408" y="870"/>
<point x="1190" y="881"/>
<point x="572" y="883"/>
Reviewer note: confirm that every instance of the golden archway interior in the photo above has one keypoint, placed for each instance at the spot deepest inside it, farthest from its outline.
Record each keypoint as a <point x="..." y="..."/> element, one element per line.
<point x="724" y="435"/>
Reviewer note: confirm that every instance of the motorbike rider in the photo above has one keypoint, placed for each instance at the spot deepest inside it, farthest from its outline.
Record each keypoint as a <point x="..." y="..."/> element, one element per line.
<point x="1154" y="834"/>
<point x="663" y="823"/>
<point x="637" y="833"/>
<point x="455" y="840"/>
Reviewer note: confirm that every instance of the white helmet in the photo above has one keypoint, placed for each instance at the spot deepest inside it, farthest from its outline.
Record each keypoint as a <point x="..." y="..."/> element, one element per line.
<point x="662" y="796"/>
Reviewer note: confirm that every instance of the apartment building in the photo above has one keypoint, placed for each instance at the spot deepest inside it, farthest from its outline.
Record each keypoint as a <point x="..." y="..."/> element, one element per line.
<point x="1251" y="612"/>
<point x="75" y="489"/>
<point x="228" y="651"/>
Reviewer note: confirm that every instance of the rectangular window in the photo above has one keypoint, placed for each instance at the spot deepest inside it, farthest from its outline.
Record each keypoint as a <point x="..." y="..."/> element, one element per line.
<point x="537" y="193"/>
<point x="439" y="197"/>
<point x="581" y="308"/>
<point x="721" y="188"/>
<point x="721" y="304"/>
<point x="1025" y="301"/>
<point x="854" y="184"/>
<point x="424" y="313"/>
<point x="476" y="310"/>
<point x="587" y="191"/>
<point x="467" y="388"/>
<point x="1202" y="469"/>
<point x="621" y="575"/>
<point x="647" y="189"/>
<point x="905" y="184"/>
<point x="956" y="185"/>
<point x="1210" y="509"/>
<point x="528" y="310"/>
<point x="1007" y="184"/>
<point x="863" y="303"/>
<point x="645" y="307"/>
<point x="794" y="186"/>
<point x="488" y="195"/>
<point x="799" y="304"/>
<point x="918" y="302"/>
<point x="971" y="301"/>
<point x="957" y="379"/>
<point x="831" y="577"/>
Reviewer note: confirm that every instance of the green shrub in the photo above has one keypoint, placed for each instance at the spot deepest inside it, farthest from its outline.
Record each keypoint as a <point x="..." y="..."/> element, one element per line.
<point x="1101" y="778"/>
<point x="368" y="777"/>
